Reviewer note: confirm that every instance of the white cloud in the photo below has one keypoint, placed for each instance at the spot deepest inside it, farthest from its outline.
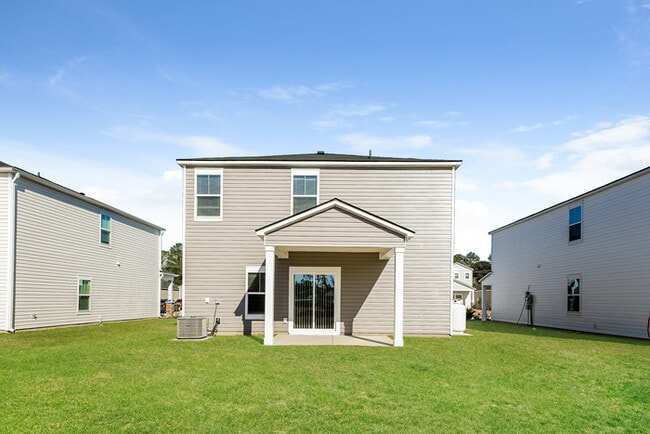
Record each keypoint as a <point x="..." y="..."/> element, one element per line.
<point x="362" y="142"/>
<point x="202" y="145"/>
<point x="473" y="222"/>
<point x="57" y="78"/>
<point x="291" y="94"/>
<point x="539" y="125"/>
<point x="433" y="124"/>
<point x="339" y="116"/>
<point x="596" y="158"/>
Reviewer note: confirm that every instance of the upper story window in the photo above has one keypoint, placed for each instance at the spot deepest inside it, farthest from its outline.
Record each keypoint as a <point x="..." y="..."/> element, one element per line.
<point x="466" y="276"/>
<point x="208" y="204"/>
<point x="84" y="284"/>
<point x="304" y="189"/>
<point x="575" y="223"/>
<point x="105" y="229"/>
<point x="456" y="275"/>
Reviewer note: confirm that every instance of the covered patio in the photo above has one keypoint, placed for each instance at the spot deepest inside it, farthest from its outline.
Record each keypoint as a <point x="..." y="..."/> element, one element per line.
<point x="334" y="227"/>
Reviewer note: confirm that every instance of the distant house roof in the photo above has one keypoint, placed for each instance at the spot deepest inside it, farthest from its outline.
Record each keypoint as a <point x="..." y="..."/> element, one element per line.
<point x="612" y="184"/>
<point x="318" y="158"/>
<point x="78" y="195"/>
<point x="463" y="266"/>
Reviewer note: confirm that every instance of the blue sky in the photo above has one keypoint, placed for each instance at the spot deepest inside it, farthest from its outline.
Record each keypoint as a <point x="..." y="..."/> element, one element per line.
<point x="542" y="100"/>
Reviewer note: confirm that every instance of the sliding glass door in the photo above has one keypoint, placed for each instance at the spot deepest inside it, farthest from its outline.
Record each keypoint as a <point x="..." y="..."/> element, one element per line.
<point x="314" y="301"/>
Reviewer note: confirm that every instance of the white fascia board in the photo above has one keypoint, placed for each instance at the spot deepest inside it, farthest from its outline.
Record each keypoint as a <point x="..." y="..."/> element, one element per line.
<point x="336" y="203"/>
<point x="370" y="163"/>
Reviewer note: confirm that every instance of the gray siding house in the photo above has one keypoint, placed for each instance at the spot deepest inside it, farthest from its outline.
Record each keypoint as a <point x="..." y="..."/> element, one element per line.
<point x="68" y="259"/>
<point x="584" y="262"/>
<point x="320" y="244"/>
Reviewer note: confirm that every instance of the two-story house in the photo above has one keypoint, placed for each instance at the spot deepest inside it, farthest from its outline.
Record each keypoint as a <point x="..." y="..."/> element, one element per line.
<point x="320" y="244"/>
<point x="463" y="291"/>
<point x="581" y="264"/>
<point x="66" y="258"/>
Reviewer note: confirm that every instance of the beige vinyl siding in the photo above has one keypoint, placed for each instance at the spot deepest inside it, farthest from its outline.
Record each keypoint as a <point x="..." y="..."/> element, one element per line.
<point x="216" y="253"/>
<point x="612" y="258"/>
<point x="5" y="190"/>
<point x="334" y="227"/>
<point x="58" y="240"/>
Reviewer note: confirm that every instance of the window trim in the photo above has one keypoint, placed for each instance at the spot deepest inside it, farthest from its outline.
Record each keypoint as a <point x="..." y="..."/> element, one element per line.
<point x="103" y="214"/>
<point x="253" y="269"/>
<point x="89" y="296"/>
<point x="305" y="172"/>
<point x="580" y="223"/>
<point x="578" y="295"/>
<point x="209" y="171"/>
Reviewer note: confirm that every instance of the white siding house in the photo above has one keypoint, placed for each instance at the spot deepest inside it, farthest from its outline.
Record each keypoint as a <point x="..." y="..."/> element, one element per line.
<point x="462" y="286"/>
<point x="68" y="259"/>
<point x="585" y="262"/>
<point x="320" y="244"/>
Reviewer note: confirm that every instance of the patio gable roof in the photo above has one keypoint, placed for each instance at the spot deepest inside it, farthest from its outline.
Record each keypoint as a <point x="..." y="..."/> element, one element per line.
<point x="334" y="225"/>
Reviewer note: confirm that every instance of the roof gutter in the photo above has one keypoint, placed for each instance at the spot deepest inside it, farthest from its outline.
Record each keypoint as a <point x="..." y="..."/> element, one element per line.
<point x="10" y="324"/>
<point x="287" y="163"/>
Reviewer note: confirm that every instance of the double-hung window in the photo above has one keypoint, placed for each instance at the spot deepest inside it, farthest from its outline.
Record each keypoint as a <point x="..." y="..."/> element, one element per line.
<point x="304" y="189"/>
<point x="208" y="202"/>
<point x="573" y="293"/>
<point x="105" y="229"/>
<point x="84" y="284"/>
<point x="255" y="293"/>
<point x="575" y="223"/>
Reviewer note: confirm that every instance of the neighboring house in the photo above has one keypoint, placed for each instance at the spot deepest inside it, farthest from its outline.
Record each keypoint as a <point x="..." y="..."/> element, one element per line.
<point x="68" y="259"/>
<point x="320" y="244"/>
<point x="485" y="292"/>
<point x="583" y="262"/>
<point x="462" y="286"/>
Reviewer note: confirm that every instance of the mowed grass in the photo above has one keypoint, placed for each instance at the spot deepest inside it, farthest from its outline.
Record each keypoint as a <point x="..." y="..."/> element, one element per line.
<point x="135" y="377"/>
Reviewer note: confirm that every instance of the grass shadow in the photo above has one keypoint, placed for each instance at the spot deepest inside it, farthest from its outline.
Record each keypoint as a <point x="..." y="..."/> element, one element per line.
<point x="539" y="331"/>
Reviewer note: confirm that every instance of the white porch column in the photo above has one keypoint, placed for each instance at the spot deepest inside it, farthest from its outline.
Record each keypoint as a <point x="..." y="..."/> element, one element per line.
<point x="398" y="339"/>
<point x="270" y="296"/>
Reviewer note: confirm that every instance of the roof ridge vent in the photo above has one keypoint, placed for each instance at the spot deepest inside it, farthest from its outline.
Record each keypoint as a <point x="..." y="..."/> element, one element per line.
<point x="320" y="152"/>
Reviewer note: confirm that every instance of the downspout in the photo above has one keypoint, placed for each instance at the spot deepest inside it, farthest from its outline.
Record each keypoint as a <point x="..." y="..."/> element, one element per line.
<point x="160" y="272"/>
<point x="10" y="325"/>
<point x="451" y="262"/>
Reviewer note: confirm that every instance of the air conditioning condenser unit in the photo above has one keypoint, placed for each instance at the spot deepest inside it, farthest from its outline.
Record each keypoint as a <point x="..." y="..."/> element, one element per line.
<point x="192" y="328"/>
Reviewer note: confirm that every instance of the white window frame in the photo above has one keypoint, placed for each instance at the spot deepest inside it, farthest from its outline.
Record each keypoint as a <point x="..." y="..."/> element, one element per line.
<point x="101" y="229"/>
<point x="467" y="275"/>
<point x="580" y="288"/>
<point x="210" y="171"/>
<point x="305" y="172"/>
<point x="336" y="271"/>
<point x="79" y="279"/>
<point x="582" y="226"/>
<point x="252" y="270"/>
<point x="457" y="276"/>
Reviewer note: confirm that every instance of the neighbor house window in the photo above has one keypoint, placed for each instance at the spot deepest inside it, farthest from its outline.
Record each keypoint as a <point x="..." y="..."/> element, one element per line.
<point x="304" y="189"/>
<point x="255" y="294"/>
<point x="105" y="229"/>
<point x="84" y="284"/>
<point x="209" y="193"/>
<point x="573" y="293"/>
<point x="466" y="275"/>
<point x="575" y="223"/>
<point x="456" y="276"/>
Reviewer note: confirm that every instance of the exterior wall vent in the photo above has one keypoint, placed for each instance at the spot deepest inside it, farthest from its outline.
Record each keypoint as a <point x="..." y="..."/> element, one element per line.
<point x="192" y="328"/>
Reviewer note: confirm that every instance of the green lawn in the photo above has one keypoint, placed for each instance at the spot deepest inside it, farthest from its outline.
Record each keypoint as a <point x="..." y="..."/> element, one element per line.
<point x="135" y="377"/>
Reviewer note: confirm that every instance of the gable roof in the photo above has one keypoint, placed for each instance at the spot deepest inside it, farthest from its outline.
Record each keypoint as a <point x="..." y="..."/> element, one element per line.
<point x="317" y="159"/>
<point x="6" y="168"/>
<point x="597" y="190"/>
<point x="463" y="266"/>
<point x="339" y="204"/>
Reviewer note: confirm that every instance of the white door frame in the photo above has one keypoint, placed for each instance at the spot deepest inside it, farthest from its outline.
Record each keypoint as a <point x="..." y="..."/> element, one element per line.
<point x="336" y="271"/>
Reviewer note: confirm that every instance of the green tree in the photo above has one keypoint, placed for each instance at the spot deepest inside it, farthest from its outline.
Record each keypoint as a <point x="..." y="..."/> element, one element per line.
<point x="172" y="262"/>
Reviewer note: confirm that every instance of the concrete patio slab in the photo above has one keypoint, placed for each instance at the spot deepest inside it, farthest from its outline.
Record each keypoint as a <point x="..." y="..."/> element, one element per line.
<point x="342" y="340"/>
